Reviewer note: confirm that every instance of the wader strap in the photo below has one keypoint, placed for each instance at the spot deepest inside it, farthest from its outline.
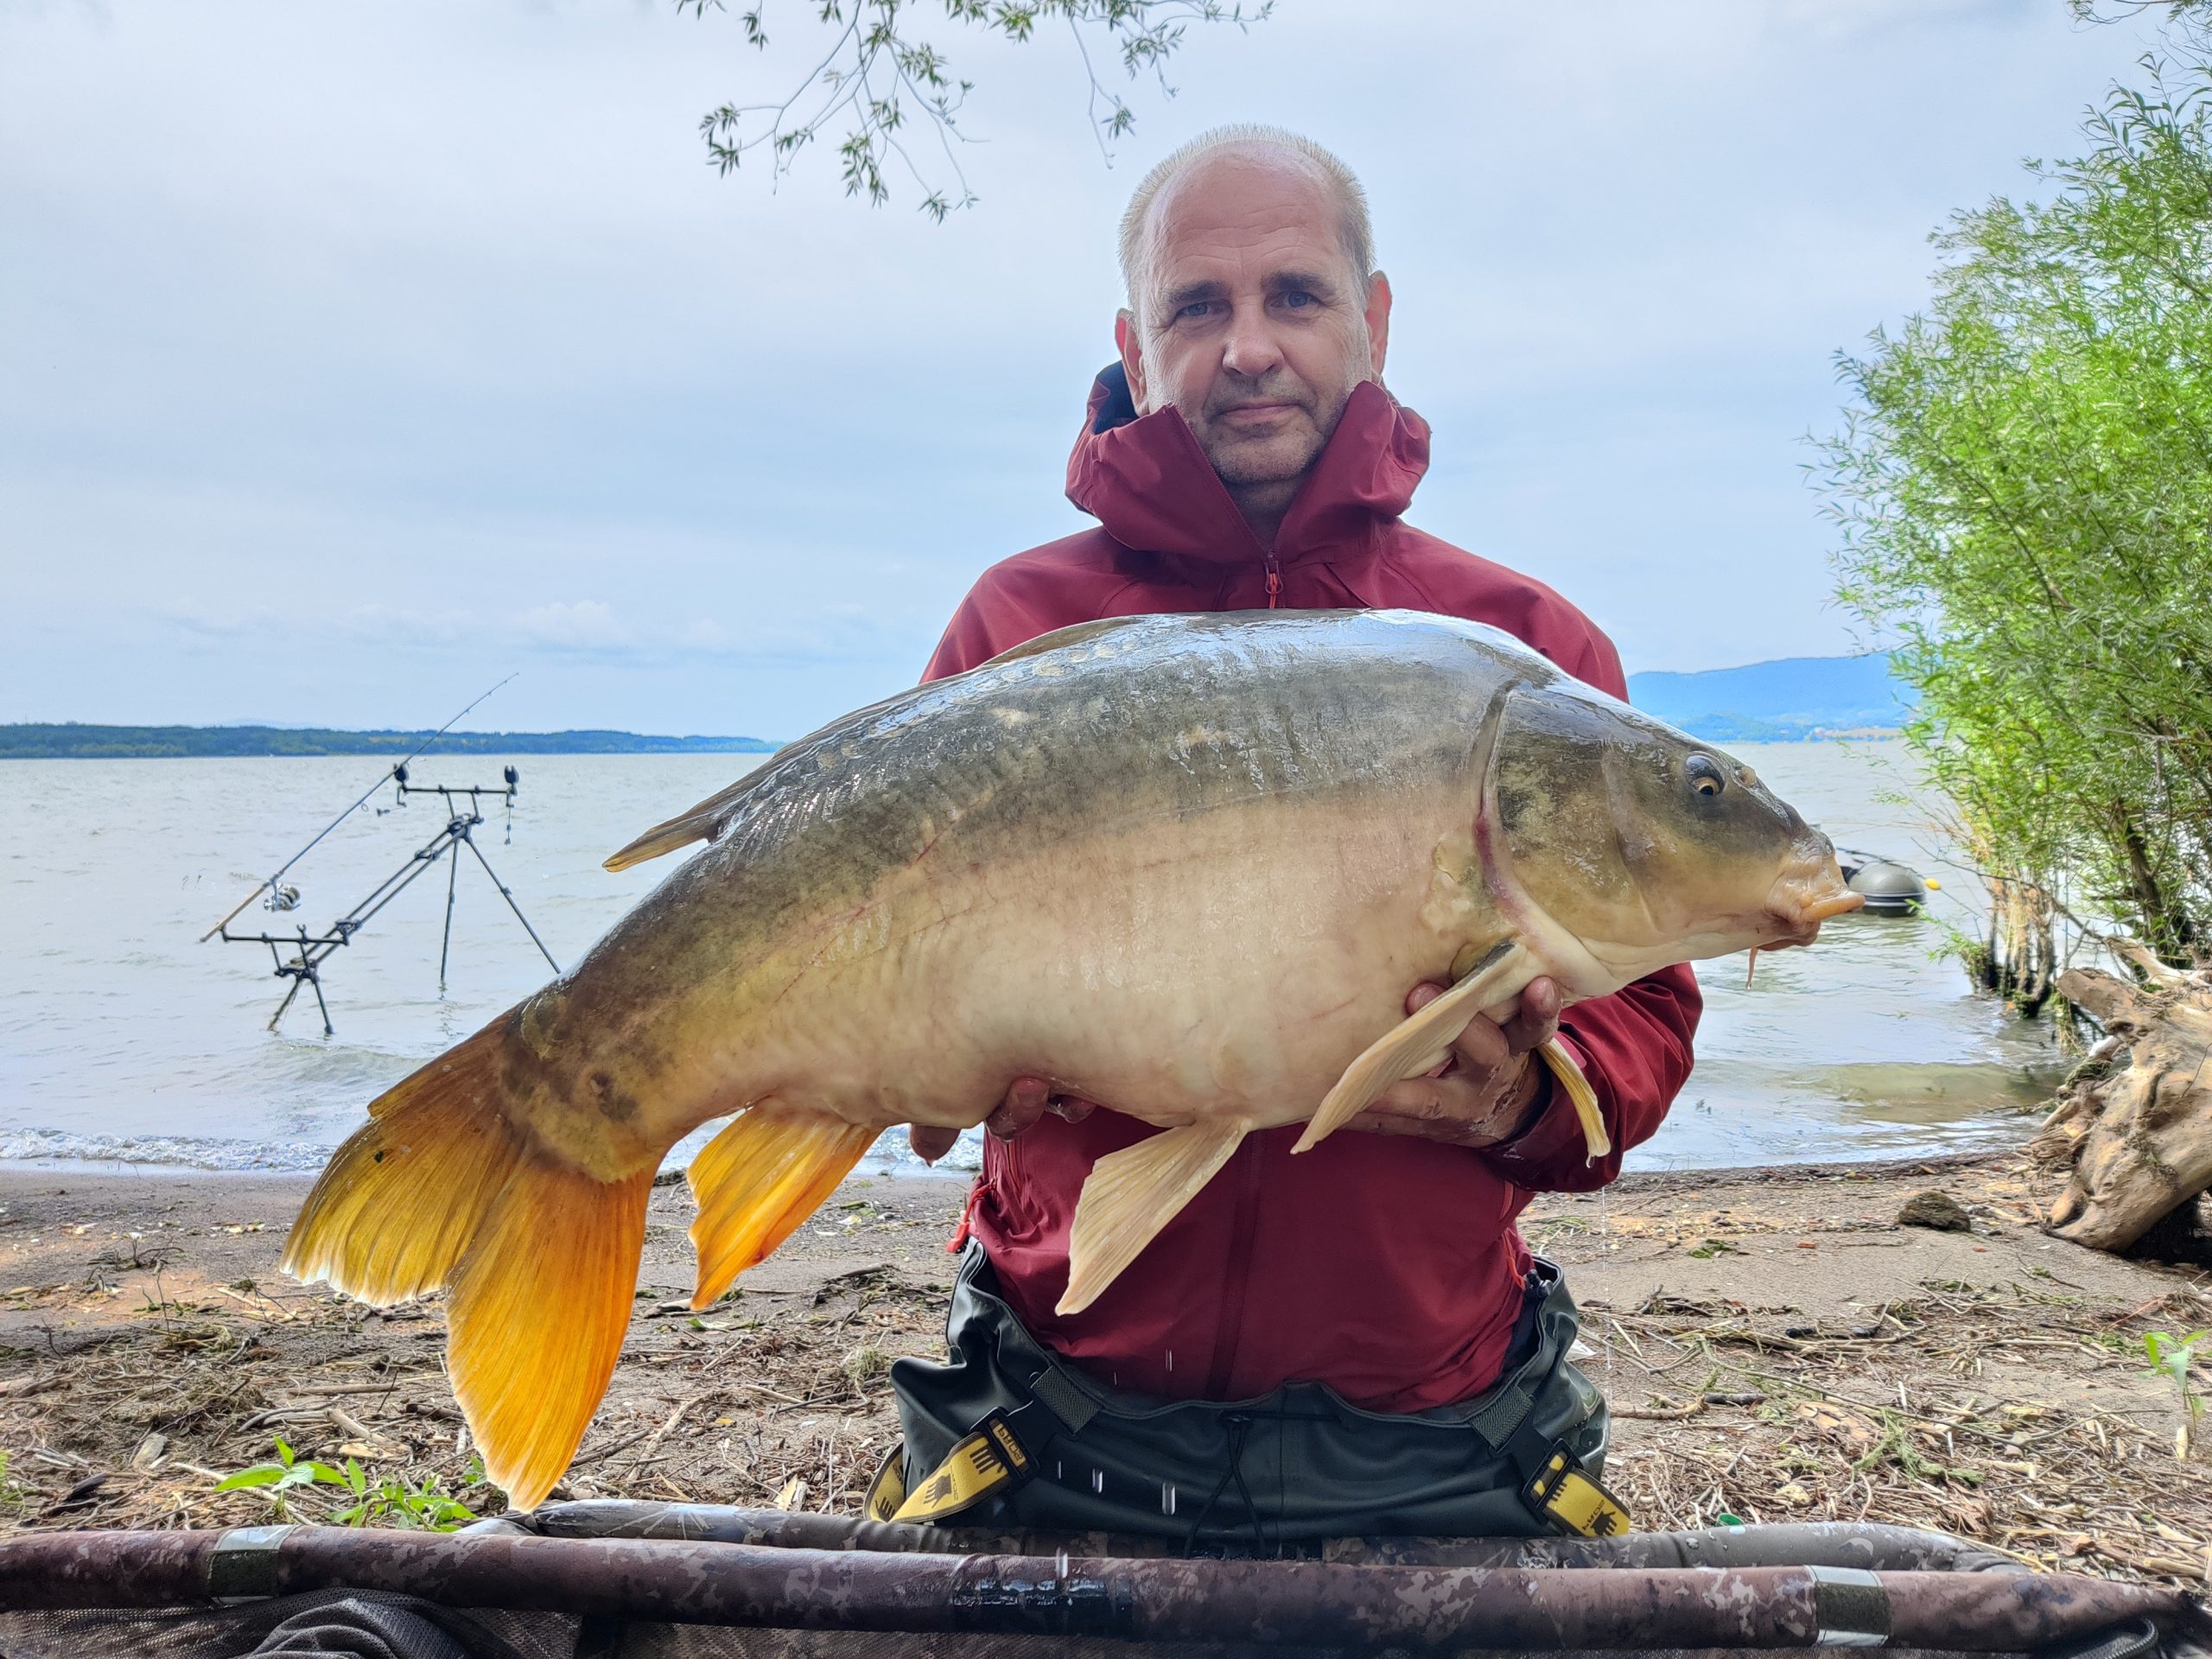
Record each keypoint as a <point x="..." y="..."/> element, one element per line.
<point x="1557" y="1486"/>
<point x="988" y="1460"/>
<point x="1499" y="1420"/>
<point x="1063" y="1399"/>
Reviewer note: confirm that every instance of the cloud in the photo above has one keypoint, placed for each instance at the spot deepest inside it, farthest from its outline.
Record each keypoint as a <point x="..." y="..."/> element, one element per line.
<point x="423" y="335"/>
<point x="586" y="625"/>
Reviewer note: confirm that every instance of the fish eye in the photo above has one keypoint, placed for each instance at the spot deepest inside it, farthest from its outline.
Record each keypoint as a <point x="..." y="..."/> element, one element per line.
<point x="1704" y="774"/>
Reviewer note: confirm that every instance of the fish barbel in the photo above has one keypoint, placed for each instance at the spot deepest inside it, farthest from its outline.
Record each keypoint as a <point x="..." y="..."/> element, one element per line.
<point x="1187" y="867"/>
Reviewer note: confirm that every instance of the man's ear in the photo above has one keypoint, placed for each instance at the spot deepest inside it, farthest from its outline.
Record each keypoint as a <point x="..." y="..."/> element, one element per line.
<point x="1125" y="340"/>
<point x="1378" y="322"/>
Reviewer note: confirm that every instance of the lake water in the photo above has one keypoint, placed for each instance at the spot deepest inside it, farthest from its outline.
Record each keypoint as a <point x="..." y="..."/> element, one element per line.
<point x="124" y="1039"/>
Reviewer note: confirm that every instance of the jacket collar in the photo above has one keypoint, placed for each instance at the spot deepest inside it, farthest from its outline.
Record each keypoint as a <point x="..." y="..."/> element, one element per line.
<point x="1146" y="479"/>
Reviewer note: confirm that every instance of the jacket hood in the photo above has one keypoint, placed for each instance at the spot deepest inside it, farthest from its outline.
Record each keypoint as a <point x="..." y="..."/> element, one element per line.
<point x="1145" y="479"/>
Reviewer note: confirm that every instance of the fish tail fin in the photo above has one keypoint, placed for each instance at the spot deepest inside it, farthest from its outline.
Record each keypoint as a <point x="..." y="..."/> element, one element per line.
<point x="758" y="1179"/>
<point x="1581" y="1095"/>
<point x="1132" y="1193"/>
<point x="397" y="1204"/>
<point x="1418" y="1041"/>
<point x="537" y="1315"/>
<point x="441" y="1188"/>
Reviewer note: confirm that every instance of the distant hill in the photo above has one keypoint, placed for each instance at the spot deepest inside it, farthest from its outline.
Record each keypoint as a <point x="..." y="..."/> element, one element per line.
<point x="1789" y="698"/>
<point x="75" y="742"/>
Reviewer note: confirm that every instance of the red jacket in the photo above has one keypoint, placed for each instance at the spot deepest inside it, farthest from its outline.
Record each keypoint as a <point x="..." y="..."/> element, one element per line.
<point x="1389" y="1268"/>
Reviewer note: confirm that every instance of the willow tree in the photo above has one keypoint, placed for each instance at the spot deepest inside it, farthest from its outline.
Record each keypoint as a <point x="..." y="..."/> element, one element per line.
<point x="878" y="78"/>
<point x="2025" y="487"/>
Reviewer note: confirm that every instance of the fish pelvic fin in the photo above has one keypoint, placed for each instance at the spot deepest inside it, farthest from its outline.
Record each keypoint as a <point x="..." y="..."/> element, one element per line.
<point x="758" y="1179"/>
<point x="702" y="823"/>
<point x="1419" y="1040"/>
<point x="1132" y="1193"/>
<point x="1581" y="1095"/>
<point x="440" y="1189"/>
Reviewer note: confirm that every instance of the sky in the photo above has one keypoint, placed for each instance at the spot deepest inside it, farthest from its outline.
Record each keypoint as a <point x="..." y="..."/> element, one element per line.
<point x="353" y="356"/>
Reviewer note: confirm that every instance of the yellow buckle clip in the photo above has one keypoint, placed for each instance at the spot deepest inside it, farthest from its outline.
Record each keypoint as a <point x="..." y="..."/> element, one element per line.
<point x="1566" y="1493"/>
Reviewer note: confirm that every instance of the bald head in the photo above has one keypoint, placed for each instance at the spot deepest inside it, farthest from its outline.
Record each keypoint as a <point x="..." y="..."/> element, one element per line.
<point x="1255" y="307"/>
<point x="1266" y="157"/>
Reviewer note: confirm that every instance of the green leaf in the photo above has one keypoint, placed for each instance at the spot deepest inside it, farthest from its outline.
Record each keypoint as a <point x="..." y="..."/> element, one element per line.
<point x="260" y="1474"/>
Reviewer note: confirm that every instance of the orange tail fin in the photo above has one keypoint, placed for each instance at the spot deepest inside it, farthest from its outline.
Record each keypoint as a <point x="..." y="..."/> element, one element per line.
<point x="441" y="1188"/>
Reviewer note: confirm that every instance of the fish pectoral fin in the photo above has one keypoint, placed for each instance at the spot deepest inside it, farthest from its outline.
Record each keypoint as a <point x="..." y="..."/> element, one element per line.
<point x="702" y="823"/>
<point x="1413" y="1044"/>
<point x="758" y="1179"/>
<point x="1582" y="1096"/>
<point x="1132" y="1193"/>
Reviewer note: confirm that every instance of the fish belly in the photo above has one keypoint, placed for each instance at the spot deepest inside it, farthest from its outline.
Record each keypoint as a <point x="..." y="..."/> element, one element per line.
<point x="1230" y="963"/>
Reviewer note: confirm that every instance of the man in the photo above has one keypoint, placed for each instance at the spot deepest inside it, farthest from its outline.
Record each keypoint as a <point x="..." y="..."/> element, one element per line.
<point x="1356" y="1339"/>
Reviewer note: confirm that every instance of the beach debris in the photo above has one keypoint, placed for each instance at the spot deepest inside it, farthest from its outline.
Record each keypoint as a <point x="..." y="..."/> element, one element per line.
<point x="150" y="1456"/>
<point x="1935" y="1210"/>
<point x="1189" y="862"/>
<point x="2039" y="1385"/>
<point x="82" y="1495"/>
<point x="794" y="1494"/>
<point x="2139" y="1140"/>
<point x="361" y="1440"/>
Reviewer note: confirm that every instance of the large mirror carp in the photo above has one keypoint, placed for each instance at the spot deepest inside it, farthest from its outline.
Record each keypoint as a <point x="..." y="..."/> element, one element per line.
<point x="1187" y="867"/>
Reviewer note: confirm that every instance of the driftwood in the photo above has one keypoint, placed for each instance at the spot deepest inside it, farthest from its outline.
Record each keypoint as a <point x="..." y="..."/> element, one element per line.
<point x="2139" y="1134"/>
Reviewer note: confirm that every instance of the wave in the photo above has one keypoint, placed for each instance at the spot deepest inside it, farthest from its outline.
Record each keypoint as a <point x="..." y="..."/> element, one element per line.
<point x="174" y="1150"/>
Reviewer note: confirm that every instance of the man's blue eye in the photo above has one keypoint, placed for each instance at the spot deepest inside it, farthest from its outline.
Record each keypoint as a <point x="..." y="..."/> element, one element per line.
<point x="1196" y="308"/>
<point x="1298" y="298"/>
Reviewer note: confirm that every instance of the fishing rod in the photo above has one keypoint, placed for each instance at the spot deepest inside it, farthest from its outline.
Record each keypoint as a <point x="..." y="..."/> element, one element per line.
<point x="270" y="885"/>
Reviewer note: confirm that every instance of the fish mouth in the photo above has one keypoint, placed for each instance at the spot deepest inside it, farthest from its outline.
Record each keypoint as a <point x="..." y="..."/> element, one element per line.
<point x="1804" y="897"/>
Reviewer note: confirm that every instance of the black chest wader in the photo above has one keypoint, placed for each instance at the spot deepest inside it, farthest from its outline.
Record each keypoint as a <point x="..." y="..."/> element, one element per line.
<point x="1005" y="1433"/>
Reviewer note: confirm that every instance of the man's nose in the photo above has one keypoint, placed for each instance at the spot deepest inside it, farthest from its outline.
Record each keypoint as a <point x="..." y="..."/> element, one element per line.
<point x="1250" y="349"/>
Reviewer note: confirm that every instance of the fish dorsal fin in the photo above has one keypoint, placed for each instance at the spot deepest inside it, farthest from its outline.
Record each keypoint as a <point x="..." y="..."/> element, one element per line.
<point x="1418" y="1041"/>
<point x="702" y="823"/>
<point x="1075" y="634"/>
<point x="1132" y="1193"/>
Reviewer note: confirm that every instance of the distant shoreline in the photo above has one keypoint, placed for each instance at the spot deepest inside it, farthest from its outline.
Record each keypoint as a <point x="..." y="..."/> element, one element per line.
<point x="71" y="741"/>
<point x="75" y="742"/>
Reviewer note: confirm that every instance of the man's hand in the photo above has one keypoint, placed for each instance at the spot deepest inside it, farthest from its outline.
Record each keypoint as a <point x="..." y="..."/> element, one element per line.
<point x="1026" y="1100"/>
<point x="1488" y="1086"/>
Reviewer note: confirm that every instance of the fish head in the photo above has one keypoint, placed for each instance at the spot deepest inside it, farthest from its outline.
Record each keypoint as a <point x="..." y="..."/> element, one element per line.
<point x="1646" y="845"/>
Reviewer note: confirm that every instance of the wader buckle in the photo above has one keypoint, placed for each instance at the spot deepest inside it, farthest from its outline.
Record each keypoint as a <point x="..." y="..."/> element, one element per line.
<point x="1564" y="1492"/>
<point x="988" y="1460"/>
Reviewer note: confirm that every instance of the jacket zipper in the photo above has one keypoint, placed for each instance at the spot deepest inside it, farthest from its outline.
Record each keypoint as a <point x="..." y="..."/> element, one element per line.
<point x="1275" y="581"/>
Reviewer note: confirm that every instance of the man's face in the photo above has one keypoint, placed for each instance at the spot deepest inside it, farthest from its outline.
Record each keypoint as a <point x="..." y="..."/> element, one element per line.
<point x="1252" y="321"/>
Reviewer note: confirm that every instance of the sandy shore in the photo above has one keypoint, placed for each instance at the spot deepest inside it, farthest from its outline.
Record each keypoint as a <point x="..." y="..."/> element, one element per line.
<point x="1775" y="1344"/>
